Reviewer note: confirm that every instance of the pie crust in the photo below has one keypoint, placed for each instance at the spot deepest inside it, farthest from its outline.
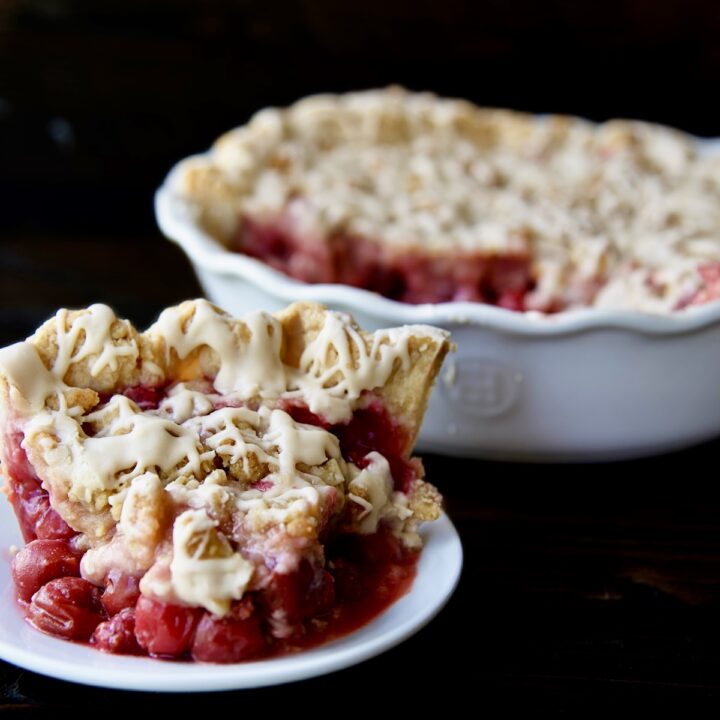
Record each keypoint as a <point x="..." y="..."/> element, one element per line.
<point x="210" y="459"/>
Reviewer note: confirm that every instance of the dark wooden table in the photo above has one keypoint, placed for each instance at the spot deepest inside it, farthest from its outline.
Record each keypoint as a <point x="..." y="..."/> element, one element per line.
<point x="583" y="586"/>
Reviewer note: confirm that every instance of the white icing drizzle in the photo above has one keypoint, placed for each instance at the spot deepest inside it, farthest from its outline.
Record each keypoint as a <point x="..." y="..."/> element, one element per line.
<point x="127" y="444"/>
<point x="232" y="433"/>
<point x="335" y="368"/>
<point x="372" y="489"/>
<point x="252" y="370"/>
<point x="299" y="443"/>
<point x="211" y="582"/>
<point x="280" y="505"/>
<point x="272" y="436"/>
<point x="94" y="327"/>
<point x="331" y="386"/>
<point x="139" y="441"/>
<point x="182" y="403"/>
<point x="33" y="383"/>
<point x="215" y="493"/>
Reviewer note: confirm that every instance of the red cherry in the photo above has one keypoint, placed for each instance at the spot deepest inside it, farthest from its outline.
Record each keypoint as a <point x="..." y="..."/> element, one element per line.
<point x="300" y="595"/>
<point x="41" y="561"/>
<point x="233" y="638"/>
<point x="164" y="629"/>
<point x="117" y="635"/>
<point x="68" y="607"/>
<point x="121" y="591"/>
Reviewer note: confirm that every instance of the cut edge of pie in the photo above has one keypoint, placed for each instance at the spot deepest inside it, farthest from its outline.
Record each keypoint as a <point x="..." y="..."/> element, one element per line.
<point x="205" y="462"/>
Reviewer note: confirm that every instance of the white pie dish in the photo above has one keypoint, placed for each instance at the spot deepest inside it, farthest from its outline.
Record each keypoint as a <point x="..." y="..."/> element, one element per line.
<point x="579" y="385"/>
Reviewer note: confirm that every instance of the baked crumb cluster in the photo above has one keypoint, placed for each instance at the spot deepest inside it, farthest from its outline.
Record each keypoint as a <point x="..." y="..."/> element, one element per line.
<point x="175" y="455"/>
<point x="617" y="215"/>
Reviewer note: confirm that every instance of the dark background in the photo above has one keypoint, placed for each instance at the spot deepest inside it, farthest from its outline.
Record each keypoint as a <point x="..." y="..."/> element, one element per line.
<point x="584" y="586"/>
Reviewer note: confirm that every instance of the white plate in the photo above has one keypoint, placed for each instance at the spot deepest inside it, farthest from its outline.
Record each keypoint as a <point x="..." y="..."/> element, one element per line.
<point x="438" y="573"/>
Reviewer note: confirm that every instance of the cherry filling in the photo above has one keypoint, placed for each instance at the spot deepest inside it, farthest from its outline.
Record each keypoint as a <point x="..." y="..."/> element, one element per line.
<point x="117" y="635"/>
<point x="165" y="630"/>
<point x="411" y="277"/>
<point x="146" y="397"/>
<point x="235" y="637"/>
<point x="122" y="591"/>
<point x="28" y="499"/>
<point x="362" y="577"/>
<point x="415" y="277"/>
<point x="370" y="429"/>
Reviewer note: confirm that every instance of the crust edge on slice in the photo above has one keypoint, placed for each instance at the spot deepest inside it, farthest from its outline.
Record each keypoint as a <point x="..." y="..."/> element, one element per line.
<point x="407" y="389"/>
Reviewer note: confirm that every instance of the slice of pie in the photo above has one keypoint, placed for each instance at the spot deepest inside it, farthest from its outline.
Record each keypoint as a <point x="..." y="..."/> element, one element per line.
<point x="214" y="488"/>
<point x="426" y="199"/>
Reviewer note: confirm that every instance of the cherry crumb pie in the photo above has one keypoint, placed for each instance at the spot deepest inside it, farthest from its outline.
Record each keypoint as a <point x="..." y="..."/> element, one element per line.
<point x="423" y="199"/>
<point x="213" y="488"/>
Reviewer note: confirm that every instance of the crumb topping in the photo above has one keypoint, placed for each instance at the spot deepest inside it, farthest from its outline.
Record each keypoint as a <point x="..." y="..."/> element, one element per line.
<point x="619" y="214"/>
